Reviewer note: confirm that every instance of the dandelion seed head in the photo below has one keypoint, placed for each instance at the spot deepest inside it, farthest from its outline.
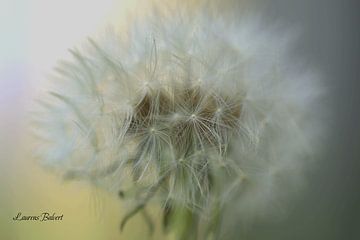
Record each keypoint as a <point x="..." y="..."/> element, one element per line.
<point x="200" y="106"/>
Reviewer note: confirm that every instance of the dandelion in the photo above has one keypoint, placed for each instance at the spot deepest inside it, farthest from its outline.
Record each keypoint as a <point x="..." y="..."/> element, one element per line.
<point x="185" y="110"/>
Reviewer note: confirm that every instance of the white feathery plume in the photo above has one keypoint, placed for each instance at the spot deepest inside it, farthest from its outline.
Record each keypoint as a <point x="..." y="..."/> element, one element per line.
<point x="188" y="107"/>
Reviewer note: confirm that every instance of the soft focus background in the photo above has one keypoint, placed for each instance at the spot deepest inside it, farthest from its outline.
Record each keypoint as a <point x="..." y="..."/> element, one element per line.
<point x="35" y="33"/>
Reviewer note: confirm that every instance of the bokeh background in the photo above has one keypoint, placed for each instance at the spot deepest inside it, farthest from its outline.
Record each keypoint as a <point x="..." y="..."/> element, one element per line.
<point x="35" y="33"/>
